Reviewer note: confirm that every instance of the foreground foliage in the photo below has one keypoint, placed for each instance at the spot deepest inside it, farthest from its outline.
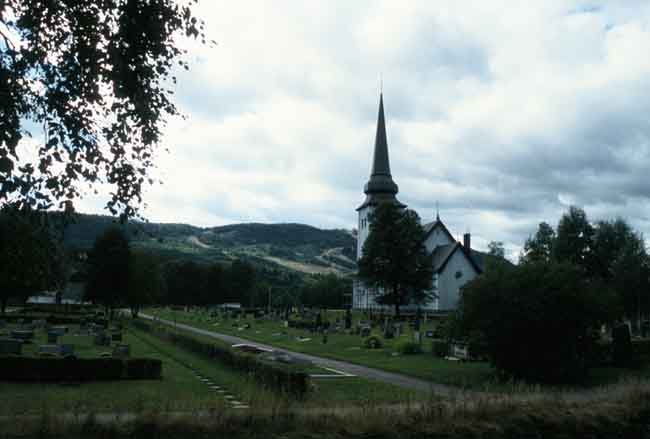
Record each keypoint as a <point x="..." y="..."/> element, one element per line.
<point x="94" y="74"/>
<point x="537" y="320"/>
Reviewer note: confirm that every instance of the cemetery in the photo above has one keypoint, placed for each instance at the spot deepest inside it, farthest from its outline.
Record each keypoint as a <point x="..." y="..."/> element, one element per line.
<point x="127" y="366"/>
<point x="419" y="349"/>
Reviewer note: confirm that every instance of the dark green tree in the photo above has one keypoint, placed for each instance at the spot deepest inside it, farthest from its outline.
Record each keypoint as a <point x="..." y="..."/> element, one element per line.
<point x="536" y="320"/>
<point x="574" y="240"/>
<point x="31" y="258"/>
<point x="241" y="279"/>
<point x="539" y="248"/>
<point x="146" y="284"/>
<point x="495" y="248"/>
<point x="395" y="260"/>
<point x="216" y="285"/>
<point x="327" y="291"/>
<point x="186" y="282"/>
<point x="109" y="269"/>
<point x="96" y="75"/>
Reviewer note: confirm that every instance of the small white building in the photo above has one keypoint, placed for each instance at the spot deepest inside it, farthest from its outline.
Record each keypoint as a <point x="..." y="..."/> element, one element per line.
<point x="455" y="263"/>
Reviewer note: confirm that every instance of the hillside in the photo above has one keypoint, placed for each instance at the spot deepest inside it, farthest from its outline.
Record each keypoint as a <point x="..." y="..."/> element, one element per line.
<point x="295" y="247"/>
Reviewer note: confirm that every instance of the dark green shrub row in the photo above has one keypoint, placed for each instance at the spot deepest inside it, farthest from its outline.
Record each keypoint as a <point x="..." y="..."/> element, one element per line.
<point x="53" y="319"/>
<point x="307" y="325"/>
<point x="86" y="369"/>
<point x="286" y="378"/>
<point x="440" y="348"/>
<point x="408" y="347"/>
<point x="641" y="347"/>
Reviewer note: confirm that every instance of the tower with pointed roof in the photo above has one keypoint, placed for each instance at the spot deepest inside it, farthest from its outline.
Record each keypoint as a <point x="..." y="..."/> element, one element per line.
<point x="380" y="187"/>
<point x="455" y="263"/>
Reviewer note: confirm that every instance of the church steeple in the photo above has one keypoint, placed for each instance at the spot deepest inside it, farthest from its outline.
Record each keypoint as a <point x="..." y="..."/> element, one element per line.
<point x="380" y="162"/>
<point x="380" y="187"/>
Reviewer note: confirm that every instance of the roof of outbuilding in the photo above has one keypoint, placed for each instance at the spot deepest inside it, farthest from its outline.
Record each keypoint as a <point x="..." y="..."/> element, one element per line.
<point x="443" y="253"/>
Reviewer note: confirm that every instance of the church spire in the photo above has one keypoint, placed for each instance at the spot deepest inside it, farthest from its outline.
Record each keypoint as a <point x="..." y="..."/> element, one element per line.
<point x="380" y="187"/>
<point x="380" y="162"/>
<point x="381" y="181"/>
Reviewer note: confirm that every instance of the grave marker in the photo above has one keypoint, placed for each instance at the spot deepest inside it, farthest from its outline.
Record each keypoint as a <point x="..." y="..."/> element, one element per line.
<point x="10" y="346"/>
<point x="22" y="334"/>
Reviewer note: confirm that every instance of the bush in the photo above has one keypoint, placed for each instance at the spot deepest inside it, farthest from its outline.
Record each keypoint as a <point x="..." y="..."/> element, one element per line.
<point x="372" y="342"/>
<point x="143" y="368"/>
<point x="307" y="325"/>
<point x="440" y="348"/>
<point x="641" y="347"/>
<point x="535" y="320"/>
<point x="408" y="348"/>
<point x="87" y="369"/>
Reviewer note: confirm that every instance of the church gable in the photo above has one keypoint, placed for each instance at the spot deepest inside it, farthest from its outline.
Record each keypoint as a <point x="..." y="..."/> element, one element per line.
<point x="437" y="235"/>
<point x="456" y="271"/>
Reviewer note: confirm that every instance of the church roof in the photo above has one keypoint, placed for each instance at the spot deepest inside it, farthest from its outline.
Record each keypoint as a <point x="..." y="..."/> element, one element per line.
<point x="443" y="253"/>
<point x="380" y="187"/>
<point x="430" y="227"/>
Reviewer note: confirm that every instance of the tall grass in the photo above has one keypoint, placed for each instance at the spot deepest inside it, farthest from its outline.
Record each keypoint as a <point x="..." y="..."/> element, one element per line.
<point x="623" y="411"/>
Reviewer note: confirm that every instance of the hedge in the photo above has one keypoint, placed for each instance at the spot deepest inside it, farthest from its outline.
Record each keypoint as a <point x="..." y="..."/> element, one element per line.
<point x="408" y="347"/>
<point x="86" y="369"/>
<point x="440" y="348"/>
<point x="286" y="378"/>
<point x="53" y="319"/>
<point x="307" y="325"/>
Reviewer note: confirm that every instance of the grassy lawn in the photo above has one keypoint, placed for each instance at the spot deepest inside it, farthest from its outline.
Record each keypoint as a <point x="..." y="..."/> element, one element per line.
<point x="178" y="390"/>
<point x="471" y="375"/>
<point x="345" y="347"/>
<point x="331" y="391"/>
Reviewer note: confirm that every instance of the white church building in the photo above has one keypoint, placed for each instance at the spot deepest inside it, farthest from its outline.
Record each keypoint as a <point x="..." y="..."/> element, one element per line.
<point x="454" y="263"/>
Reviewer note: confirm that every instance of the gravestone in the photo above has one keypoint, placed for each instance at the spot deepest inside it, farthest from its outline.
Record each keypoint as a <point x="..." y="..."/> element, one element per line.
<point x="645" y="328"/>
<point x="52" y="337"/>
<point x="10" y="346"/>
<point x="66" y="349"/>
<point x="58" y="330"/>
<point x="122" y="351"/>
<point x="429" y="334"/>
<point x="49" y="349"/>
<point x="622" y="352"/>
<point x="101" y="339"/>
<point x="460" y="351"/>
<point x="21" y="334"/>
<point x="364" y="331"/>
<point x="116" y="336"/>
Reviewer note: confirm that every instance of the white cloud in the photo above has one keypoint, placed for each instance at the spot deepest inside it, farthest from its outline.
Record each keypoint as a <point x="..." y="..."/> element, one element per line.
<point x="505" y="112"/>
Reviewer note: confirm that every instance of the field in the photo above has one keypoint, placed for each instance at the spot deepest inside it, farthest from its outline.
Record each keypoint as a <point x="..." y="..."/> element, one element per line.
<point x="465" y="375"/>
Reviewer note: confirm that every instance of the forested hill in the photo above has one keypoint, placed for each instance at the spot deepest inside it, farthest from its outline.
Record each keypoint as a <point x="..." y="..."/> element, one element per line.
<point x="291" y="235"/>
<point x="297" y="247"/>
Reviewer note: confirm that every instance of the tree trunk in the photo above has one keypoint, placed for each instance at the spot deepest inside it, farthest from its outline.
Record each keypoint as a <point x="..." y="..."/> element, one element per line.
<point x="397" y="309"/>
<point x="3" y="305"/>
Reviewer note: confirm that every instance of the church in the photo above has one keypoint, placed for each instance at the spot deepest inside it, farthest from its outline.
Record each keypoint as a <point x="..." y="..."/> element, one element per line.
<point x="454" y="263"/>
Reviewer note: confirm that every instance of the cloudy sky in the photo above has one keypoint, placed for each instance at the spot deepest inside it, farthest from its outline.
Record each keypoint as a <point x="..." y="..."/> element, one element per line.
<point x="503" y="112"/>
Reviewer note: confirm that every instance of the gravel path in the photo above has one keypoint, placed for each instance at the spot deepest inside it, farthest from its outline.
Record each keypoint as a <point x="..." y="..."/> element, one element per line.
<point x="354" y="369"/>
